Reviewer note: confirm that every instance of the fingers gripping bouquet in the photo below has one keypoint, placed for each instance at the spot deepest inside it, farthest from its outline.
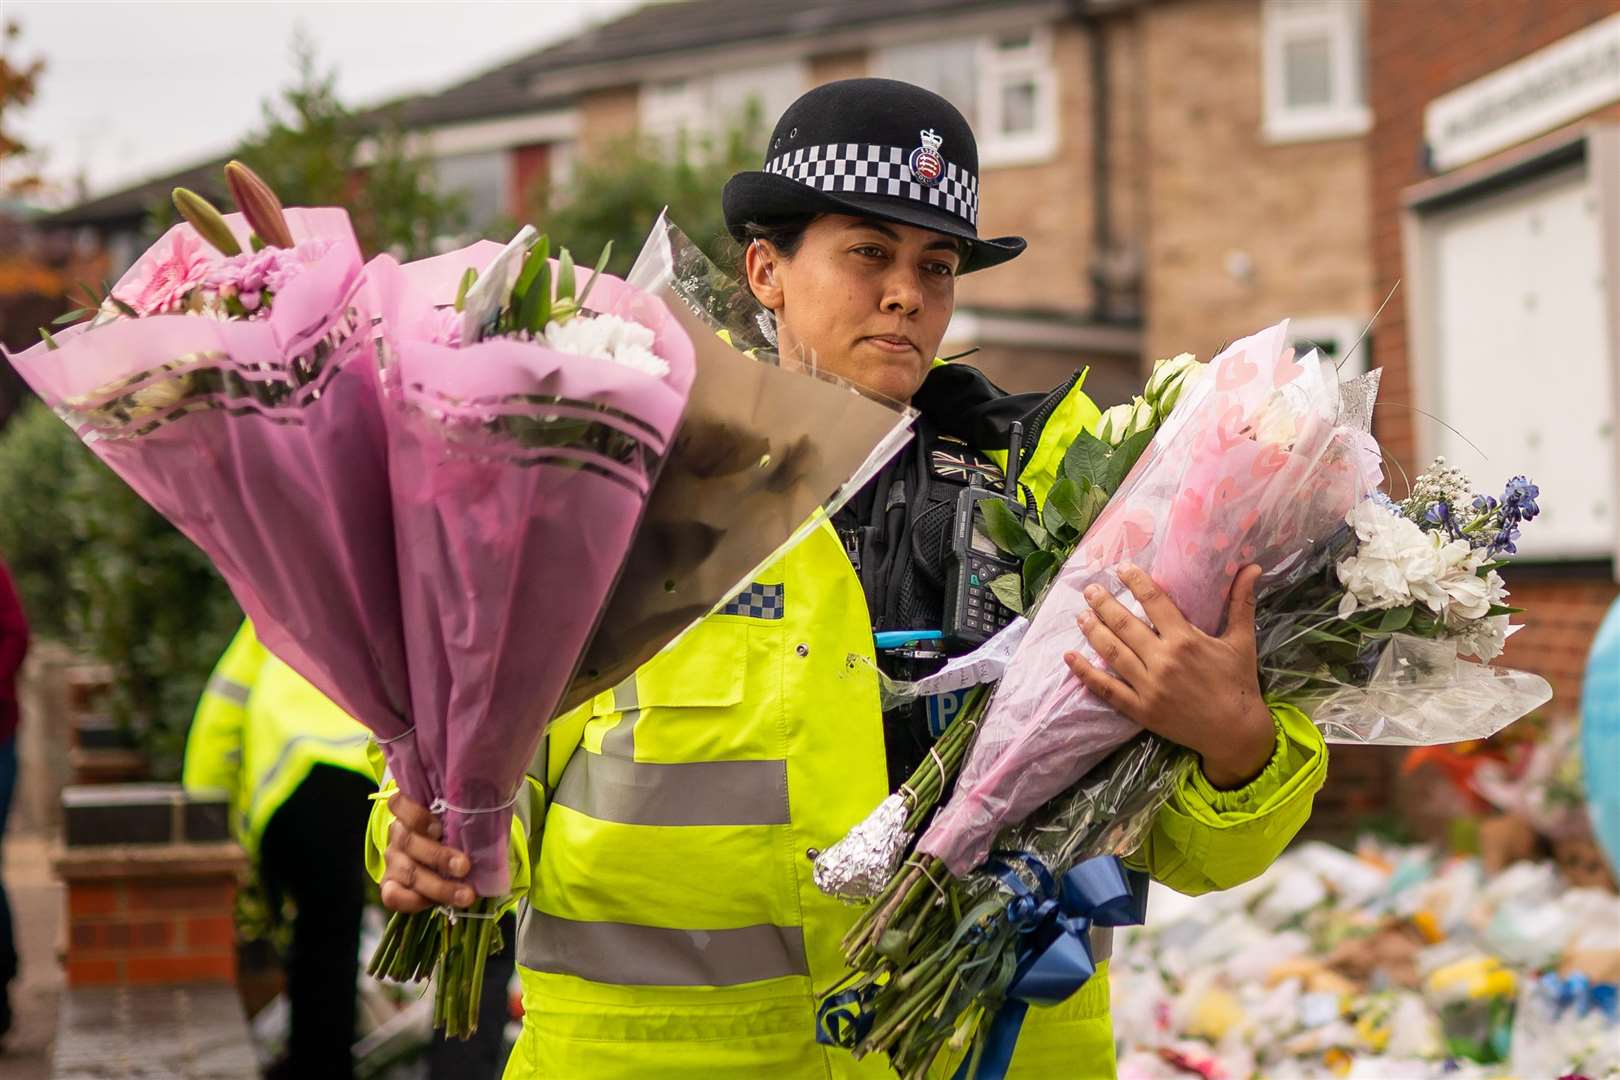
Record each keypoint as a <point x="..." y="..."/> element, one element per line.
<point x="1264" y="460"/>
<point x="228" y="378"/>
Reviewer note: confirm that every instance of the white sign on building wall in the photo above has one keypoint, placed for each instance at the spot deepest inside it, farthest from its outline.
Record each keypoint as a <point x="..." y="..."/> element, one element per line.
<point x="1544" y="90"/>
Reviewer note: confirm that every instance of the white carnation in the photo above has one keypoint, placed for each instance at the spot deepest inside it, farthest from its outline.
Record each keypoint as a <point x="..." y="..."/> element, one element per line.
<point x="608" y="337"/>
<point x="1485" y="638"/>
<point x="1396" y="563"/>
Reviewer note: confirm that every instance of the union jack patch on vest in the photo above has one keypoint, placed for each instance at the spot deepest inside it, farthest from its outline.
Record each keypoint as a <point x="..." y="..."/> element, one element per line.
<point x="963" y="465"/>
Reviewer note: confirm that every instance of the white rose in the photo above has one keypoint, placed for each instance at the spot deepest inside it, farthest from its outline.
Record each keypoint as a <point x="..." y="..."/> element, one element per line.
<point x="1166" y="374"/>
<point x="1115" y="424"/>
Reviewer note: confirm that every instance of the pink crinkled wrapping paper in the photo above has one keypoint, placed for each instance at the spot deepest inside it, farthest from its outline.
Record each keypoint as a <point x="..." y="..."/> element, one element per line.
<point x="1206" y="499"/>
<point x="287" y="497"/>
<point x="519" y="476"/>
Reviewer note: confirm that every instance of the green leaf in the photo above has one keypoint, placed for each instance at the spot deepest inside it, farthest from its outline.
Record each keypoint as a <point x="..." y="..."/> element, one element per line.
<point x="1037" y="532"/>
<point x="1009" y="589"/>
<point x="1062" y="505"/>
<point x="254" y="243"/>
<point x="1090" y="459"/>
<point x="601" y="264"/>
<point x="73" y="316"/>
<point x="50" y="342"/>
<point x="536" y="309"/>
<point x="1503" y="609"/>
<point x="1004" y="528"/>
<point x="1395" y="619"/>
<point x="469" y="277"/>
<point x="123" y="308"/>
<point x="565" y="275"/>
<point x="1325" y="637"/>
<point x="1087" y="459"/>
<point x="1092" y="501"/>
<point x="90" y="292"/>
<point x="1124" y="456"/>
<point x="1039" y="570"/>
<point x="539" y="252"/>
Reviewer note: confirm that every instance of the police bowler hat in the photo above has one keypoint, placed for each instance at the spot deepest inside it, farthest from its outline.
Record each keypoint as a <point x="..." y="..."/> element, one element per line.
<point x="873" y="148"/>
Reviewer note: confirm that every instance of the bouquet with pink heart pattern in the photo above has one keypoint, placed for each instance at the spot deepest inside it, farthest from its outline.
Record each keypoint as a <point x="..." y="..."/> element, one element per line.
<point x="1258" y="463"/>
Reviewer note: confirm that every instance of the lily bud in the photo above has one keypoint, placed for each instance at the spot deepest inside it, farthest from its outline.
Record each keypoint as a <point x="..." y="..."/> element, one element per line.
<point x="208" y="222"/>
<point x="258" y="204"/>
<point x="1165" y="374"/>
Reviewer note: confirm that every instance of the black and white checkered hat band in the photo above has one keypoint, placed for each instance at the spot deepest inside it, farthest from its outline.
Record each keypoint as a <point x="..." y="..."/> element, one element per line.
<point x="868" y="169"/>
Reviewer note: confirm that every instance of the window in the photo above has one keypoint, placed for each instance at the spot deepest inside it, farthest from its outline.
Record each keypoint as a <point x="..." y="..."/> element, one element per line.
<point x="712" y="105"/>
<point x="669" y="108"/>
<point x="1334" y="337"/>
<point x="482" y="181"/>
<point x="1315" y="78"/>
<point x="1005" y="84"/>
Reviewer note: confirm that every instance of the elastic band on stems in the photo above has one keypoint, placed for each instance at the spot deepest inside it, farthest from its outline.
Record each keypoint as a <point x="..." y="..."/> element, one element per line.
<point x="407" y="733"/>
<point x="439" y="806"/>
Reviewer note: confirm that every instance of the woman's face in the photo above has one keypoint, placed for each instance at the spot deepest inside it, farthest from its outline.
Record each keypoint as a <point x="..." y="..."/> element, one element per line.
<point x="866" y="300"/>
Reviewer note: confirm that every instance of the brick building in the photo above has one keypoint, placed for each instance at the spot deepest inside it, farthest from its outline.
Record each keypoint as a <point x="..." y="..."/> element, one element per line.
<point x="1148" y="148"/>
<point x="1188" y="171"/>
<point x="1495" y="188"/>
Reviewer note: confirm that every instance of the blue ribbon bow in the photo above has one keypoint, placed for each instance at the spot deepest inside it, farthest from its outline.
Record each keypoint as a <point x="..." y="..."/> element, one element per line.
<point x="1054" y="921"/>
<point x="843" y="1019"/>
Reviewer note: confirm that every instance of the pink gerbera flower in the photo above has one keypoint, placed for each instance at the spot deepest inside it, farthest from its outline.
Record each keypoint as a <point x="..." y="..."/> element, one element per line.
<point x="168" y="274"/>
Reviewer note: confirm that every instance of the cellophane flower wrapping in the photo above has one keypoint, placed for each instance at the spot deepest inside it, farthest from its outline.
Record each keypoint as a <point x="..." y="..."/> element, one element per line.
<point x="1260" y="465"/>
<point x="262" y="441"/>
<point x="519" y="476"/>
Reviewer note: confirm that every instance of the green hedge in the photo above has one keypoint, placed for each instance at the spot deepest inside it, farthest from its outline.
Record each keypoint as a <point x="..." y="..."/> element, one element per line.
<point x="100" y="570"/>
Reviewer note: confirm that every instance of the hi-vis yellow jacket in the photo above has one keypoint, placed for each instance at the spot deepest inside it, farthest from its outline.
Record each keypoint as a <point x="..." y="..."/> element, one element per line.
<point x="671" y="926"/>
<point x="260" y="728"/>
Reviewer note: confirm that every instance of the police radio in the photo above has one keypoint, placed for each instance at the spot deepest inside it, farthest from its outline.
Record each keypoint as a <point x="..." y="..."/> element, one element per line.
<point x="973" y="615"/>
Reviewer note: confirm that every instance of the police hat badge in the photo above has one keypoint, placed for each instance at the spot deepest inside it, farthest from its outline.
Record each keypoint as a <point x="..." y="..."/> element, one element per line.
<point x="927" y="167"/>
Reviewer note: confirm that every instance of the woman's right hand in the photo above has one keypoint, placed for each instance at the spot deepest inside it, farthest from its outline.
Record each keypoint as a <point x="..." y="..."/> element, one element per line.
<point x="420" y="872"/>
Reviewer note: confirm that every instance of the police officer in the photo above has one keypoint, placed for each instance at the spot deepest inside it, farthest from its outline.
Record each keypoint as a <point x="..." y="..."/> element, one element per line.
<point x="672" y="927"/>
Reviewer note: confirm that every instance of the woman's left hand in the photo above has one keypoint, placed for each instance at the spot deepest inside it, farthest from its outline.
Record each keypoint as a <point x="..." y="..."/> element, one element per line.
<point x="1178" y="682"/>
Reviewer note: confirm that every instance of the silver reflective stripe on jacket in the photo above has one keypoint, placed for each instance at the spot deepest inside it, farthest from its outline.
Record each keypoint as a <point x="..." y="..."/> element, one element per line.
<point x="229" y="689"/>
<point x="612" y="786"/>
<point x="629" y="955"/>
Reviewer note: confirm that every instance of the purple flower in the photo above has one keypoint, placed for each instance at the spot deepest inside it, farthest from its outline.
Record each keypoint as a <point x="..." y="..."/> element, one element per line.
<point x="1484" y="504"/>
<point x="1519" y="500"/>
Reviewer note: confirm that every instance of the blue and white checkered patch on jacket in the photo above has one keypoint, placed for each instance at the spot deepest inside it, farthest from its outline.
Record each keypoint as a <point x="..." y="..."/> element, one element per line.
<point x="756" y="602"/>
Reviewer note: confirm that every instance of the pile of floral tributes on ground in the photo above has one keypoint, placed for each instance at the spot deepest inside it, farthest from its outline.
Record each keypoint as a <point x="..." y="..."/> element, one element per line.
<point x="1391" y="962"/>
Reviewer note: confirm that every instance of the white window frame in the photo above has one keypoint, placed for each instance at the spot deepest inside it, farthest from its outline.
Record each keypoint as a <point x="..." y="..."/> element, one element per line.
<point x="1346" y="114"/>
<point x="997" y="67"/>
<point x="1341" y="331"/>
<point x="666" y="109"/>
<point x="994" y="68"/>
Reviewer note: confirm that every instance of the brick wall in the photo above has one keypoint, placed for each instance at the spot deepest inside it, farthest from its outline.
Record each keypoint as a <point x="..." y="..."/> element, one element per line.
<point x="1215" y="186"/>
<point x="152" y="929"/>
<point x="607" y="116"/>
<point x="1049" y="203"/>
<point x="151" y="879"/>
<point x="830" y="67"/>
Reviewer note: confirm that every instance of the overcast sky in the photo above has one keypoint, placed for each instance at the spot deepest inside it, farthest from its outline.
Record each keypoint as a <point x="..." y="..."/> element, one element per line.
<point x="133" y="88"/>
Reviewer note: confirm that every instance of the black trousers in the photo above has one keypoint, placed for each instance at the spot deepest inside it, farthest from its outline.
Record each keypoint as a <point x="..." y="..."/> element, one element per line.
<point x="312" y="852"/>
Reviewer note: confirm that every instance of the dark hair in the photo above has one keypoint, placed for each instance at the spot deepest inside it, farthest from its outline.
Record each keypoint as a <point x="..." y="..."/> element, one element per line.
<point x="784" y="234"/>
